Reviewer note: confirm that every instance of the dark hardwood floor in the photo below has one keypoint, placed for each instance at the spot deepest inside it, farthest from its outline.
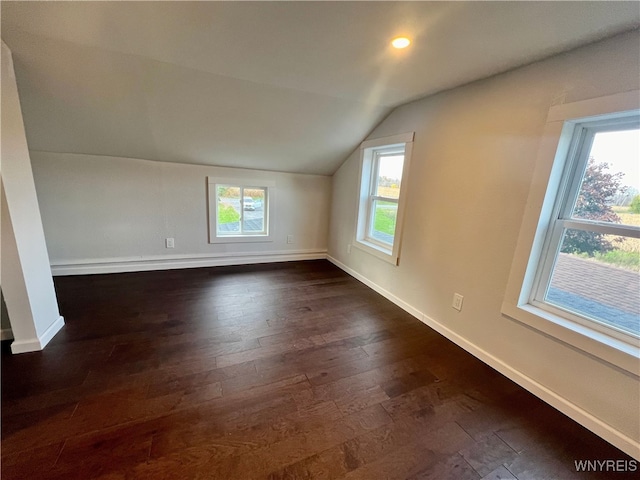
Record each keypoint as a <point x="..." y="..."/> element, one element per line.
<point x="281" y="371"/>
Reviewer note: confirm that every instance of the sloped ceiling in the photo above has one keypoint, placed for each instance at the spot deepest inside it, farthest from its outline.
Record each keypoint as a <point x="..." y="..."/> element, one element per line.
<point x="285" y="86"/>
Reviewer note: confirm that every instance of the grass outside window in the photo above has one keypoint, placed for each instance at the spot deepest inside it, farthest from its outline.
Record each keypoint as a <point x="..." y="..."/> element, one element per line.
<point x="385" y="217"/>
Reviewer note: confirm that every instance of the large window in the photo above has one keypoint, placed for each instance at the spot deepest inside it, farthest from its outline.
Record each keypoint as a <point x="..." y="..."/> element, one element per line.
<point x="238" y="212"/>
<point x="382" y="186"/>
<point x="576" y="270"/>
<point x="590" y="266"/>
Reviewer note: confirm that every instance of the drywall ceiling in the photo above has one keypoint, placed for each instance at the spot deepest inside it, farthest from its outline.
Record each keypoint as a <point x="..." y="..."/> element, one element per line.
<point x="286" y="86"/>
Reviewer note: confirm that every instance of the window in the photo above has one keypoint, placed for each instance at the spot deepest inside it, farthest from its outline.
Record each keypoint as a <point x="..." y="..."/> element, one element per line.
<point x="383" y="176"/>
<point x="238" y="212"/>
<point x="575" y="274"/>
<point x="590" y="265"/>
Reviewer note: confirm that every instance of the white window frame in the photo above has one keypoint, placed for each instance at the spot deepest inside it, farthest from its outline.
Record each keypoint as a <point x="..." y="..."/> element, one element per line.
<point x="212" y="186"/>
<point x="576" y="164"/>
<point x="559" y="158"/>
<point x="370" y="153"/>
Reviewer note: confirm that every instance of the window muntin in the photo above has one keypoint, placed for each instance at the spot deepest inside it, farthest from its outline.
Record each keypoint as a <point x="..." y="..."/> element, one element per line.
<point x="589" y="270"/>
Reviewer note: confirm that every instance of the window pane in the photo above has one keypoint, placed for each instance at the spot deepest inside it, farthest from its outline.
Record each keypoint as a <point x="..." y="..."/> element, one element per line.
<point x="253" y="204"/>
<point x="389" y="175"/>
<point x="228" y="210"/>
<point x="603" y="285"/>
<point x="612" y="178"/>
<point x="383" y="224"/>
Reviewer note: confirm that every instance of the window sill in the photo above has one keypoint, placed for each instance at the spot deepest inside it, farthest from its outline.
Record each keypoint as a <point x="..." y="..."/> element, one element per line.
<point x="377" y="251"/>
<point x="622" y="354"/>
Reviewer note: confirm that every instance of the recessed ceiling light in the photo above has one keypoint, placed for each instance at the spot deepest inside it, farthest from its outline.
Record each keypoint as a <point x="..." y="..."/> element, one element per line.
<point x="400" y="42"/>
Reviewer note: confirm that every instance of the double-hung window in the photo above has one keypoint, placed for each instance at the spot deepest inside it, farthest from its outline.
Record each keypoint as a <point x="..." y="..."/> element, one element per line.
<point x="238" y="211"/>
<point x="576" y="271"/>
<point x="590" y="267"/>
<point x="383" y="174"/>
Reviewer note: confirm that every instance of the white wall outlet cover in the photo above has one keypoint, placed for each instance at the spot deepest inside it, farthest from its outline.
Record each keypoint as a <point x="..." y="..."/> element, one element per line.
<point x="457" y="301"/>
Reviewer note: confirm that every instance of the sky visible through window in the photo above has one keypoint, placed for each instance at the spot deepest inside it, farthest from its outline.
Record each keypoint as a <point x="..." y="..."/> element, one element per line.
<point x="621" y="150"/>
<point x="392" y="168"/>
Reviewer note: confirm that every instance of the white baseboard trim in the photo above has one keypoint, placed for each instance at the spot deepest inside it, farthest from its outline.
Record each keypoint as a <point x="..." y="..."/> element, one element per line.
<point x="143" y="264"/>
<point x="584" y="418"/>
<point x="573" y="411"/>
<point x="37" y="344"/>
<point x="6" y="334"/>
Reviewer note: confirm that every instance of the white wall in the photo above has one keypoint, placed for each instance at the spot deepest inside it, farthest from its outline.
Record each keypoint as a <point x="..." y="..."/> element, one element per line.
<point x="106" y="214"/>
<point x="26" y="276"/>
<point x="473" y="160"/>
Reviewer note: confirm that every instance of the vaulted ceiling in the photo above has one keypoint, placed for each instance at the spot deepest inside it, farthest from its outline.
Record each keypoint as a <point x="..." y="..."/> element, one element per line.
<point x="286" y="86"/>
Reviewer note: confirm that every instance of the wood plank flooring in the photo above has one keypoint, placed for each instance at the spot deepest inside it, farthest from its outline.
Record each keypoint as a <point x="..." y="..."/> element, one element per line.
<point x="281" y="371"/>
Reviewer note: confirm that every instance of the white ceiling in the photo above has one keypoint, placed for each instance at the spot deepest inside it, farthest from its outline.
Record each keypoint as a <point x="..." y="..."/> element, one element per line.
<point x="287" y="86"/>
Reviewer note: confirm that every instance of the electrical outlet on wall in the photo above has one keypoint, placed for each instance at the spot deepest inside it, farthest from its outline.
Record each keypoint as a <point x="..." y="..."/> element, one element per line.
<point x="289" y="238"/>
<point x="457" y="301"/>
<point x="169" y="242"/>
